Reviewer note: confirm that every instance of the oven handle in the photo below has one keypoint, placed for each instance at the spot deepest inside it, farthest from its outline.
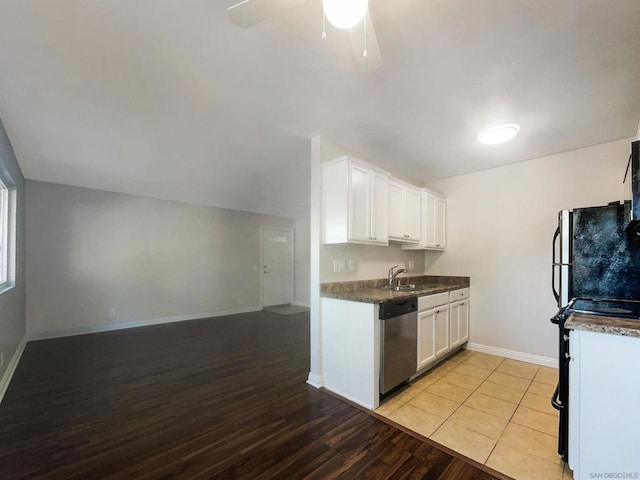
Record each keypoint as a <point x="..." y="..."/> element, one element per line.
<point x="554" y="265"/>
<point x="554" y="400"/>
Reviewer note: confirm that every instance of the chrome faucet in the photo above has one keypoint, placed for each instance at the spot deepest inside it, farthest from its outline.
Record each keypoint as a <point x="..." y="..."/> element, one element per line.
<point x="393" y="275"/>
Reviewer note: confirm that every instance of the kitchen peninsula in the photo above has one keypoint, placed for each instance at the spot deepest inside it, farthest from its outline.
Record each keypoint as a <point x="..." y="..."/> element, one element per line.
<point x="604" y="354"/>
<point x="351" y="332"/>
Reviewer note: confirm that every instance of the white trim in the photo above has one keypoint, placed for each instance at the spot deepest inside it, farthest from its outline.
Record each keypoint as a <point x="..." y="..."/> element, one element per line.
<point x="69" y="332"/>
<point x="315" y="380"/>
<point x="291" y="257"/>
<point x="503" y="352"/>
<point x="11" y="368"/>
<point x="351" y="399"/>
<point x="302" y="304"/>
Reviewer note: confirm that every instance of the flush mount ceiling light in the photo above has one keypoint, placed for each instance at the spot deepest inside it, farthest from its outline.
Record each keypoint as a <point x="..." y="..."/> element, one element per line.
<point x="498" y="134"/>
<point x="344" y="13"/>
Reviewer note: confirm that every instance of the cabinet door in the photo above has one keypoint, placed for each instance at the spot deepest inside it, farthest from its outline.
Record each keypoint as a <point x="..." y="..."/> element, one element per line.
<point x="412" y="224"/>
<point x="435" y="219"/>
<point x="379" y="218"/>
<point x="458" y="323"/>
<point x="463" y="321"/>
<point x="395" y="210"/>
<point x="454" y="325"/>
<point x="441" y="330"/>
<point x="429" y="221"/>
<point x="426" y="338"/>
<point x="439" y="222"/>
<point x="359" y="203"/>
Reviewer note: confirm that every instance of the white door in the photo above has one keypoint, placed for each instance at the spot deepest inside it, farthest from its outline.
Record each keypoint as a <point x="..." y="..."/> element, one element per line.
<point x="379" y="223"/>
<point x="359" y="203"/>
<point x="454" y="324"/>
<point x="395" y="209"/>
<point x="412" y="214"/>
<point x="442" y="330"/>
<point x="277" y="266"/>
<point x="440" y="222"/>
<point x="426" y="338"/>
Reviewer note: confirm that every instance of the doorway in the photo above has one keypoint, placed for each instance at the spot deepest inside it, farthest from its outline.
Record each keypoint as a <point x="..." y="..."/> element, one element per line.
<point x="277" y="266"/>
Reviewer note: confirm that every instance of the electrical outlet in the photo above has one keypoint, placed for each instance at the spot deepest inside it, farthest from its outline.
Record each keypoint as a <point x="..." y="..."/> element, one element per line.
<point x="411" y="265"/>
<point x="112" y="313"/>
<point x="352" y="265"/>
<point x="239" y="300"/>
<point x="338" y="265"/>
<point x="1" y="359"/>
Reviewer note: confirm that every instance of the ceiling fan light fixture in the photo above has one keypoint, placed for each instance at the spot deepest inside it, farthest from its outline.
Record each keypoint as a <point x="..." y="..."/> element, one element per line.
<point x="498" y="134"/>
<point x="345" y="13"/>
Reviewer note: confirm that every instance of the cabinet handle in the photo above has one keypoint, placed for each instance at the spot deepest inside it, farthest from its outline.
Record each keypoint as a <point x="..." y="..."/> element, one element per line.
<point x="462" y="303"/>
<point x="437" y="311"/>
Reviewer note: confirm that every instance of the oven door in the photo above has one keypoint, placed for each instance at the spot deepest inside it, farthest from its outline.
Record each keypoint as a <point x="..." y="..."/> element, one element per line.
<point x="560" y="399"/>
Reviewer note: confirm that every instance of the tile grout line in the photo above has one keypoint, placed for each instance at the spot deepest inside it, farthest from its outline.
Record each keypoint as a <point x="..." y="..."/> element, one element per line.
<point x="511" y="418"/>
<point x="462" y="403"/>
<point x="469" y="362"/>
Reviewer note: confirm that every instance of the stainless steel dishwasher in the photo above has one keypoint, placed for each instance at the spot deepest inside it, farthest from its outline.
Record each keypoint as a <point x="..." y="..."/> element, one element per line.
<point x="398" y="342"/>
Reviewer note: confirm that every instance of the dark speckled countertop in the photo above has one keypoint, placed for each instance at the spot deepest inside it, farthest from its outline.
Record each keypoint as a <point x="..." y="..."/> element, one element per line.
<point x="596" y="323"/>
<point x="370" y="291"/>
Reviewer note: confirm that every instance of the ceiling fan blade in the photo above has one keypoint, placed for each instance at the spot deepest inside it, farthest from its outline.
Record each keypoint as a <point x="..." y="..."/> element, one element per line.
<point x="249" y="12"/>
<point x="373" y="59"/>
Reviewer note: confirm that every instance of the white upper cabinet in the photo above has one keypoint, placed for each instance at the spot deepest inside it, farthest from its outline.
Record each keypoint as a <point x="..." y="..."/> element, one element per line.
<point x="413" y="213"/>
<point x="404" y="212"/>
<point x="354" y="202"/>
<point x="433" y="224"/>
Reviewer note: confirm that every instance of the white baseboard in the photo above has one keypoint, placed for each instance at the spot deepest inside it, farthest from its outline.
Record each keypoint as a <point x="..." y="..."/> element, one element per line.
<point x="302" y="304"/>
<point x="351" y="399"/>
<point x="69" y="332"/>
<point x="523" y="357"/>
<point x="11" y="368"/>
<point x="315" y="380"/>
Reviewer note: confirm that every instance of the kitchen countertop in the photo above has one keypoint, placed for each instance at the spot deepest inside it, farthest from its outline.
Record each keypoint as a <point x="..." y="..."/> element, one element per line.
<point x="596" y="323"/>
<point x="370" y="291"/>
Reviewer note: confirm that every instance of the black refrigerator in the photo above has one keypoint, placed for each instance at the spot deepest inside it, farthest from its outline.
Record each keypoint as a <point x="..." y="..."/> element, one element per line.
<point x="593" y="255"/>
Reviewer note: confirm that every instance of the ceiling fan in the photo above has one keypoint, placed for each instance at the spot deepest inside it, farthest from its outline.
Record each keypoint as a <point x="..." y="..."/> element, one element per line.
<point x="351" y="15"/>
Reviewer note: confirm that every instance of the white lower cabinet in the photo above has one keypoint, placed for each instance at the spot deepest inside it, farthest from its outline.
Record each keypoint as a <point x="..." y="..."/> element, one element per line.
<point x="604" y="393"/>
<point x="442" y="331"/>
<point x="459" y="323"/>
<point x="442" y="326"/>
<point x="433" y="339"/>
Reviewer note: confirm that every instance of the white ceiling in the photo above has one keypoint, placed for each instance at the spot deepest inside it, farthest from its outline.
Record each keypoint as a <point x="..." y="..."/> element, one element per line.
<point x="166" y="98"/>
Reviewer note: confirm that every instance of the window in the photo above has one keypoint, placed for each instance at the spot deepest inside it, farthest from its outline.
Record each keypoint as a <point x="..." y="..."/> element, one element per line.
<point x="7" y="232"/>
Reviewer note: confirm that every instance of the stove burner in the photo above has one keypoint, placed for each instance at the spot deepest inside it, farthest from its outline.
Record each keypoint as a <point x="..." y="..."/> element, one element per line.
<point x="605" y="306"/>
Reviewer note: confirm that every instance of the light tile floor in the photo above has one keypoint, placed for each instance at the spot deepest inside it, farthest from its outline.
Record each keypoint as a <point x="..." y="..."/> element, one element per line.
<point x="494" y="410"/>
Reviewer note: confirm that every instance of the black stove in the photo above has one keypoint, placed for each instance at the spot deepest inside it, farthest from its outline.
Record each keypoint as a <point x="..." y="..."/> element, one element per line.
<point x="605" y="307"/>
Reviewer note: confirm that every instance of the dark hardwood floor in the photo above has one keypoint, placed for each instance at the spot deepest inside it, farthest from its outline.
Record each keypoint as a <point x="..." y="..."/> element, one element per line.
<point x="218" y="398"/>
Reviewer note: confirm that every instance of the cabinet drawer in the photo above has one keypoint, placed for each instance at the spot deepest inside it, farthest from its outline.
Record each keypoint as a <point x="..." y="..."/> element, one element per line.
<point x="431" y="301"/>
<point x="459" y="294"/>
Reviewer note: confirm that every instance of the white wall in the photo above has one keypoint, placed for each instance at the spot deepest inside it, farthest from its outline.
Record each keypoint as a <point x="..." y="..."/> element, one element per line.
<point x="500" y="224"/>
<point x="369" y="261"/>
<point x="91" y="251"/>
<point x="302" y="262"/>
<point x="12" y="302"/>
